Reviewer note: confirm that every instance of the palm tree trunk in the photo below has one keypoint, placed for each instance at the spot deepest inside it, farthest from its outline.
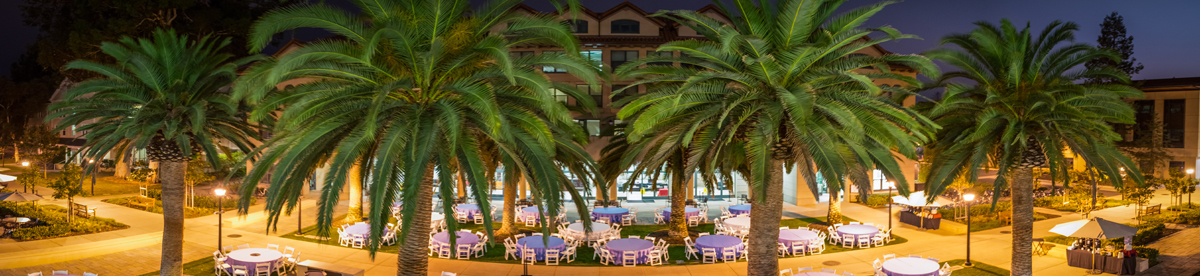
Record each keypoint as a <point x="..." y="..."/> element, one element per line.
<point x="508" y="225"/>
<point x="172" y="200"/>
<point x="677" y="227"/>
<point x="764" y="224"/>
<point x="354" y="180"/>
<point x="1022" y="228"/>
<point x="413" y="260"/>
<point x="834" y="215"/>
<point x="121" y="169"/>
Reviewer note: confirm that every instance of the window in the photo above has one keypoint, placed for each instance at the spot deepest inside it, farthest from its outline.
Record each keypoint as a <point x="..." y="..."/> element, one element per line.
<point x="626" y="26"/>
<point x="597" y="94"/>
<point x="1175" y="167"/>
<point x="660" y="54"/>
<point x="1143" y="115"/>
<point x="595" y="56"/>
<point x="617" y="97"/>
<point x="560" y="96"/>
<point x="591" y="126"/>
<point x="577" y="26"/>
<point x="621" y="57"/>
<point x="551" y="69"/>
<point x="520" y="54"/>
<point x="1173" y="125"/>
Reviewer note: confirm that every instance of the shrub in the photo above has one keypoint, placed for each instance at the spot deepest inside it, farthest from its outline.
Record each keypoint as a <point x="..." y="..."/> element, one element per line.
<point x="55" y="219"/>
<point x="877" y="200"/>
<point x="1147" y="253"/>
<point x="1060" y="239"/>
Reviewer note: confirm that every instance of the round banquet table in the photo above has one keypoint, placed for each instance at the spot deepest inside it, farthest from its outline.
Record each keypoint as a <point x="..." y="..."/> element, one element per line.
<point x="472" y="210"/>
<point x="612" y="213"/>
<point x="443" y="238"/>
<point x="738" y="223"/>
<point x="618" y="248"/>
<point x="535" y="243"/>
<point x="857" y="230"/>
<point x="530" y="211"/>
<point x="361" y="228"/>
<point x="436" y="218"/>
<point x="789" y="236"/>
<point x="739" y="209"/>
<point x="719" y="243"/>
<point x="687" y="212"/>
<point x="909" y="266"/>
<point x="815" y="273"/>
<point x="250" y="257"/>
<point x="599" y="230"/>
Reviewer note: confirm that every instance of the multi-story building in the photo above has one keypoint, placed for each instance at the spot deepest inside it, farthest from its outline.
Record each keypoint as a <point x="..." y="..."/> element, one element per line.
<point x="1172" y="103"/>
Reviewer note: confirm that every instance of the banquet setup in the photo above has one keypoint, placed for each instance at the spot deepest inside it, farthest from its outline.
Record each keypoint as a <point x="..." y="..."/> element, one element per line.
<point x="244" y="260"/>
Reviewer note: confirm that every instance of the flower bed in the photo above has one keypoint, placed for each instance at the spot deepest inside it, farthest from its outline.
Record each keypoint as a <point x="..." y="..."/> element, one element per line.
<point x="54" y="222"/>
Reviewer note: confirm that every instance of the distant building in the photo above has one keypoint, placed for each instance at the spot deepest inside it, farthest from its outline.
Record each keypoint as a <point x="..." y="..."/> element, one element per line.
<point x="1173" y="102"/>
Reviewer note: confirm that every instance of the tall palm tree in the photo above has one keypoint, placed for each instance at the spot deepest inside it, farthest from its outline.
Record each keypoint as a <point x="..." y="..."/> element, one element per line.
<point x="782" y="83"/>
<point x="413" y="88"/>
<point x="652" y="157"/>
<point x="169" y="95"/>
<point x="1029" y="104"/>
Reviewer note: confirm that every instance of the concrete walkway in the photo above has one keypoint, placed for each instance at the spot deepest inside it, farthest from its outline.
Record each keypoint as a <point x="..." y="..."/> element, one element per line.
<point x="132" y="252"/>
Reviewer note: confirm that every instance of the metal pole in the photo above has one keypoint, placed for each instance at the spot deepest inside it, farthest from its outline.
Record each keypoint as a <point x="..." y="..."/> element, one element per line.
<point x="968" y="263"/>
<point x="220" y="221"/>
<point x="299" y="217"/>
<point x="890" y="214"/>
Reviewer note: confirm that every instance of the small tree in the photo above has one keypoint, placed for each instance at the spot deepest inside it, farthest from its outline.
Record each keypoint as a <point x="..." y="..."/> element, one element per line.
<point x="68" y="185"/>
<point x="30" y="178"/>
<point x="1139" y="194"/>
<point x="1178" y="184"/>
<point x="196" y="173"/>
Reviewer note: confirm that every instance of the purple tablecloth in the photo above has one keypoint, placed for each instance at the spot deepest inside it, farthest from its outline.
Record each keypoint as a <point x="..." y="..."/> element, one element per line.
<point x="530" y="211"/>
<point x="739" y="209"/>
<point x="362" y="229"/>
<point x="250" y="257"/>
<point x="464" y="237"/>
<point x="789" y="236"/>
<point x="719" y="243"/>
<point x="618" y="248"/>
<point x="857" y="230"/>
<point x="535" y="243"/>
<point x="471" y="210"/>
<point x="688" y="212"/>
<point x="815" y="273"/>
<point x="612" y="213"/>
<point x="909" y="266"/>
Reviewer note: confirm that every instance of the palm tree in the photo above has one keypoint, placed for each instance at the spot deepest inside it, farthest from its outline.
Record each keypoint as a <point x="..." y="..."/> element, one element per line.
<point x="781" y="83"/>
<point x="653" y="157"/>
<point x="1029" y="104"/>
<point x="414" y="88"/>
<point x="169" y="95"/>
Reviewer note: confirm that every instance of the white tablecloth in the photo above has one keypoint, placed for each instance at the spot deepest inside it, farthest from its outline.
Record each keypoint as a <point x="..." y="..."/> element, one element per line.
<point x="250" y="257"/>
<point x="738" y="223"/>
<point x="599" y="230"/>
<point x="436" y="218"/>
<point x="909" y="266"/>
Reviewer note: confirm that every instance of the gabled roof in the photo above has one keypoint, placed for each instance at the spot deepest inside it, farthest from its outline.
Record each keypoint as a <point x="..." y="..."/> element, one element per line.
<point x="627" y="5"/>
<point x="1167" y="84"/>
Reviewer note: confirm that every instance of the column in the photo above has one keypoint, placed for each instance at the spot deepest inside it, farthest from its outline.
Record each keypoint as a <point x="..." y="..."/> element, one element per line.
<point x="521" y="187"/>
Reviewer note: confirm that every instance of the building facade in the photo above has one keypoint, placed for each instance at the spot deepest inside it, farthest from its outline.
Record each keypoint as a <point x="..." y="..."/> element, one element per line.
<point x="1173" y="104"/>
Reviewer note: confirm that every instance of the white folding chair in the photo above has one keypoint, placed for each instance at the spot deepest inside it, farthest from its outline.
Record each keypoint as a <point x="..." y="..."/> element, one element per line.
<point x="629" y="259"/>
<point x="463" y="251"/>
<point x="783" y="250"/>
<point x="728" y="255"/>
<point x="59" y="272"/>
<point x="847" y="273"/>
<point x="552" y="256"/>
<point x="785" y="272"/>
<point x="626" y="220"/>
<point x="864" y="241"/>
<point x="828" y="270"/>
<point x="449" y="273"/>
<point x="878" y="239"/>
<point x="39" y="273"/>
<point x="914" y="256"/>
<point x="240" y="270"/>
<point x="273" y="246"/>
<point x="635" y="237"/>
<point x="798" y="248"/>
<point x="934" y="260"/>
<point x="262" y="269"/>
<point x="848" y="242"/>
<point x="89" y="274"/>
<point x="529" y="256"/>
<point x="510" y="250"/>
<point x="479" y="249"/>
<point x="803" y="269"/>
<point x="816" y="247"/>
<point x="889" y="257"/>
<point x="855" y="223"/>
<point x="244" y="246"/>
<point x="655" y="257"/>
<point x="708" y="256"/>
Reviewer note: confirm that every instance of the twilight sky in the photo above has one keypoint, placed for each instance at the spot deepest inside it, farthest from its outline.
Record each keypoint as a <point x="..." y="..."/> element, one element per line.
<point x="1165" y="32"/>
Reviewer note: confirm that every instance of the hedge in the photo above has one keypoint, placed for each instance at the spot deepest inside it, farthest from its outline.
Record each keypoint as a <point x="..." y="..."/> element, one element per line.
<point x="877" y="200"/>
<point x="204" y="205"/>
<point x="55" y="219"/>
<point x="1147" y="253"/>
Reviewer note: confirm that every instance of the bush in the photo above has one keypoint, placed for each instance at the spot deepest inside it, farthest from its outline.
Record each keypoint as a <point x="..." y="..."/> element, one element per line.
<point x="877" y="200"/>
<point x="1148" y="233"/>
<point x="1060" y="239"/>
<point x="1147" y="253"/>
<point x="55" y="219"/>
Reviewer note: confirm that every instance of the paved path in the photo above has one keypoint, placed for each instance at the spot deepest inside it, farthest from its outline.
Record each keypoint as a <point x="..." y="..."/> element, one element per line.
<point x="1179" y="254"/>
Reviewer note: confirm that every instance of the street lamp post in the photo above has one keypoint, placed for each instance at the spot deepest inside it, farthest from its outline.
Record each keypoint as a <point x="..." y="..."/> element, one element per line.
<point x="1190" y="173"/>
<point x="968" y="198"/>
<point x="891" y="185"/>
<point x="26" y="186"/>
<point x="93" y="161"/>
<point x="220" y="194"/>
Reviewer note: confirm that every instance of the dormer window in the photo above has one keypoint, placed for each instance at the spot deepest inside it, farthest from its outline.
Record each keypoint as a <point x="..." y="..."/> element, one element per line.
<point x="626" y="26"/>
<point x="577" y="26"/>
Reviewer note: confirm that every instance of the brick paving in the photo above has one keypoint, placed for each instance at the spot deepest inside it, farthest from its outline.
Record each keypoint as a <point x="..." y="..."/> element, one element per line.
<point x="1178" y="254"/>
<point x="130" y="262"/>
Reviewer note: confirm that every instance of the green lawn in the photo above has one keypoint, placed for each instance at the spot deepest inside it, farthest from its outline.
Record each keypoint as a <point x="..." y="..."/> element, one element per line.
<point x="495" y="252"/>
<point x="141" y="203"/>
<point x="980" y="269"/>
<point x="106" y="184"/>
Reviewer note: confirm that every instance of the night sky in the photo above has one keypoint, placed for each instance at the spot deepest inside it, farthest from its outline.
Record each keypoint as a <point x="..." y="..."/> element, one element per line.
<point x="1165" y="32"/>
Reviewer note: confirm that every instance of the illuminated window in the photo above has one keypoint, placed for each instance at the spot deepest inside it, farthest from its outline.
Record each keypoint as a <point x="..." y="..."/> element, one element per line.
<point x="595" y="56"/>
<point x="560" y="96"/>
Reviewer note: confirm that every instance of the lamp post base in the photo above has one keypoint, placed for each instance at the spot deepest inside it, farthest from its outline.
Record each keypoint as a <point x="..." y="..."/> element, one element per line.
<point x="968" y="264"/>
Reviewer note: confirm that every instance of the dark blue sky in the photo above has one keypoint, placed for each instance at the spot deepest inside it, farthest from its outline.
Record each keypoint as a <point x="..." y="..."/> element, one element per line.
<point x="1166" y="32"/>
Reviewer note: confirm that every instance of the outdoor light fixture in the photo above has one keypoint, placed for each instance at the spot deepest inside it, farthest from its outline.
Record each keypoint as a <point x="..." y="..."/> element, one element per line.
<point x="968" y="198"/>
<point x="1191" y="171"/>
<point x="25" y="164"/>
<point x="220" y="192"/>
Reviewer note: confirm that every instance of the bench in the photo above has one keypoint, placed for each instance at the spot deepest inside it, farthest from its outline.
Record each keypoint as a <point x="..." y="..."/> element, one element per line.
<point x="1150" y="210"/>
<point x="306" y="266"/>
<point x="82" y="210"/>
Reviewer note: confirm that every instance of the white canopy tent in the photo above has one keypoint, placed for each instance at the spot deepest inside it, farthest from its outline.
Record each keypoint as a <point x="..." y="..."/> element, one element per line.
<point x="7" y="178"/>
<point x="917" y="199"/>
